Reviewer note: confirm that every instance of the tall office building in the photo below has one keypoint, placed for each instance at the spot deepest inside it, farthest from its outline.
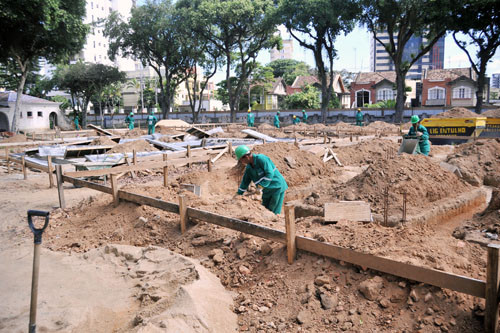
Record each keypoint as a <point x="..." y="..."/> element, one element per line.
<point x="96" y="47"/>
<point x="287" y="51"/>
<point x="381" y="62"/>
<point x="495" y="80"/>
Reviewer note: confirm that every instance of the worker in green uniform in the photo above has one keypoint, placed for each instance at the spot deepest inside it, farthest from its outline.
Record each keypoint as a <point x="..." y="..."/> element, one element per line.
<point x="152" y="120"/>
<point x="423" y="136"/>
<point x="130" y="121"/>
<point x="359" y="118"/>
<point x="77" y="124"/>
<point x="295" y="120"/>
<point x="304" y="116"/>
<point x="250" y="118"/>
<point x="262" y="171"/>
<point x="277" y="120"/>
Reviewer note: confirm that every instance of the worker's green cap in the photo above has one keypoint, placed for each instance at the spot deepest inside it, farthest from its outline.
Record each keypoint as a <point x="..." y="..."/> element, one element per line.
<point x="131" y="113"/>
<point x="241" y="151"/>
<point x="278" y="112"/>
<point x="415" y="119"/>
<point x="304" y="111"/>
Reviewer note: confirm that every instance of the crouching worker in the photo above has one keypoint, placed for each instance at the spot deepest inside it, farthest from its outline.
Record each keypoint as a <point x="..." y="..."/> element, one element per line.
<point x="262" y="171"/>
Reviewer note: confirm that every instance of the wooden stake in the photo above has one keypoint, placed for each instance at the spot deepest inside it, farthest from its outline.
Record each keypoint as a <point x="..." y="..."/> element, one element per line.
<point x="7" y="158"/>
<point x="291" y="247"/>
<point x="60" y="189"/>
<point x="183" y="213"/>
<point x="188" y="154"/>
<point x="114" y="188"/>
<point x="51" y="175"/>
<point x="209" y="165"/>
<point x="165" y="175"/>
<point x="134" y="156"/>
<point x="23" y="161"/>
<point x="230" y="148"/>
<point x="491" y="310"/>
<point x="324" y="139"/>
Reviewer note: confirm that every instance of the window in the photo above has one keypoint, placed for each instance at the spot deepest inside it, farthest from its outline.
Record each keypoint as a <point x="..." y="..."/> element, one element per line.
<point x="437" y="93"/>
<point x="20" y="114"/>
<point x="462" y="93"/>
<point x="39" y="114"/>
<point x="385" y="94"/>
<point x="30" y="114"/>
<point x="94" y="44"/>
<point x="362" y="98"/>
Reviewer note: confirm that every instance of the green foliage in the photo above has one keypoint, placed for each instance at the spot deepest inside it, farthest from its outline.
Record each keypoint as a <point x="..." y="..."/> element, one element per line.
<point x="388" y="104"/>
<point x="315" y="24"/>
<point x="308" y="98"/>
<point x="334" y="102"/>
<point x="31" y="29"/>
<point x="289" y="69"/>
<point x="65" y="103"/>
<point x="403" y="19"/>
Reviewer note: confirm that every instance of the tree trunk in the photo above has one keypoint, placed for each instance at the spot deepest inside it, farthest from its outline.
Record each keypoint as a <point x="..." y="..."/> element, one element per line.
<point x="400" y="96"/>
<point x="229" y="87"/>
<point x="481" y="78"/>
<point x="20" y="89"/>
<point x="84" y="112"/>
<point x="102" y="114"/>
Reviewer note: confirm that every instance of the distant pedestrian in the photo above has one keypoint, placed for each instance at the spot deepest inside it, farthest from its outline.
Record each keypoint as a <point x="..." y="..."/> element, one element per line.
<point x="304" y="116"/>
<point x="152" y="120"/>
<point x="77" y="123"/>
<point x="295" y="120"/>
<point x="277" y="120"/>
<point x="130" y="121"/>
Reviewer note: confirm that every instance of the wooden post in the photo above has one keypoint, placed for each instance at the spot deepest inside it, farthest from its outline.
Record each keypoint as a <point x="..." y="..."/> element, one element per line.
<point x="324" y="138"/>
<point x="209" y="165"/>
<point x="51" y="175"/>
<point x="7" y="158"/>
<point x="25" y="174"/>
<point x="114" y="188"/>
<point x="165" y="175"/>
<point x="134" y="156"/>
<point x="350" y="137"/>
<point x="230" y="148"/>
<point x="491" y="310"/>
<point x="291" y="247"/>
<point x="315" y="132"/>
<point x="296" y="143"/>
<point x="188" y="155"/>
<point x="183" y="213"/>
<point x="60" y="189"/>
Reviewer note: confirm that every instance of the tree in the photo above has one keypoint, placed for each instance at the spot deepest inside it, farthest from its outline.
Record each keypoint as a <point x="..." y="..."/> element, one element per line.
<point x="262" y="80"/>
<point x="308" y="98"/>
<point x="86" y="81"/>
<point x="239" y="29"/>
<point x="153" y="34"/>
<point x="32" y="29"/>
<point x="402" y="20"/>
<point x="204" y="54"/>
<point x="479" y="20"/>
<point x="315" y="24"/>
<point x="289" y="69"/>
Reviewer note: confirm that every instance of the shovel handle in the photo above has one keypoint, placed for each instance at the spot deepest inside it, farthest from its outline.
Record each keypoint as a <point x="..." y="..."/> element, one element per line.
<point x="38" y="231"/>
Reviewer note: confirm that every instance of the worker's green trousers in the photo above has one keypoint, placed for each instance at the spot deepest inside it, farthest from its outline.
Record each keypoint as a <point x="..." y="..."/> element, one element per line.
<point x="151" y="129"/>
<point x="273" y="200"/>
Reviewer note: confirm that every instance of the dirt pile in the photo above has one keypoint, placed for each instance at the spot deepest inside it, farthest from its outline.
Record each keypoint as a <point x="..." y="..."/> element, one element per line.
<point x="265" y="126"/>
<point x="494" y="113"/>
<point x="297" y="166"/>
<point x="134" y="133"/>
<point x="15" y="138"/>
<point x="457" y="113"/>
<point x="479" y="161"/>
<point x="137" y="145"/>
<point x="383" y="127"/>
<point x="366" y="152"/>
<point x="424" y="181"/>
<point x="102" y="141"/>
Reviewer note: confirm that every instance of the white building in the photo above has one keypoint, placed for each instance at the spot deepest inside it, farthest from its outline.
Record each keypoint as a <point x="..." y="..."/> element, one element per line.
<point x="287" y="51"/>
<point x="96" y="47"/>
<point x="36" y="113"/>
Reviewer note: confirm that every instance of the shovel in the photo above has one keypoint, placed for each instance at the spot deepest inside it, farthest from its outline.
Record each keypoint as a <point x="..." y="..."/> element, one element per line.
<point x="36" y="263"/>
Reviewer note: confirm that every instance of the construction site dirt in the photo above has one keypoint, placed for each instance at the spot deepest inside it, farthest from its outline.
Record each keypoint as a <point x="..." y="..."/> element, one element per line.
<point x="449" y="219"/>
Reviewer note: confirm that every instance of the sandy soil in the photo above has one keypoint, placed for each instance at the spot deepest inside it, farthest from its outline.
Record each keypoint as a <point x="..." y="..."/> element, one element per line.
<point x="314" y="294"/>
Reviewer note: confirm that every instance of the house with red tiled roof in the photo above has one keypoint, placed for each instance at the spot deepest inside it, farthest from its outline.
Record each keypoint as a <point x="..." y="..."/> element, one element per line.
<point x="449" y="87"/>
<point x="338" y="87"/>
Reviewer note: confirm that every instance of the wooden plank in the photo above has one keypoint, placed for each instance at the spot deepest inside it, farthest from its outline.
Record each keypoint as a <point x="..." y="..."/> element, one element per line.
<point x="100" y="130"/>
<point x="183" y="213"/>
<point x="30" y="164"/>
<point x="347" y="210"/>
<point x="335" y="156"/>
<point x="51" y="174"/>
<point x="238" y="225"/>
<point x="430" y="276"/>
<point x="219" y="155"/>
<point x="23" y="164"/>
<point x="114" y="188"/>
<point x="144" y="200"/>
<point x="84" y="183"/>
<point x="60" y="189"/>
<point x="291" y="246"/>
<point x="491" y="310"/>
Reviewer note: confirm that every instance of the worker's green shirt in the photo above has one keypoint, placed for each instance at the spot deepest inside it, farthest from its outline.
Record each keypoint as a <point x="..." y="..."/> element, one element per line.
<point x="359" y="116"/>
<point x="296" y="120"/>
<point x="130" y="120"/>
<point x="304" y="118"/>
<point x="250" y="118"/>
<point x="152" y="120"/>
<point x="263" y="172"/>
